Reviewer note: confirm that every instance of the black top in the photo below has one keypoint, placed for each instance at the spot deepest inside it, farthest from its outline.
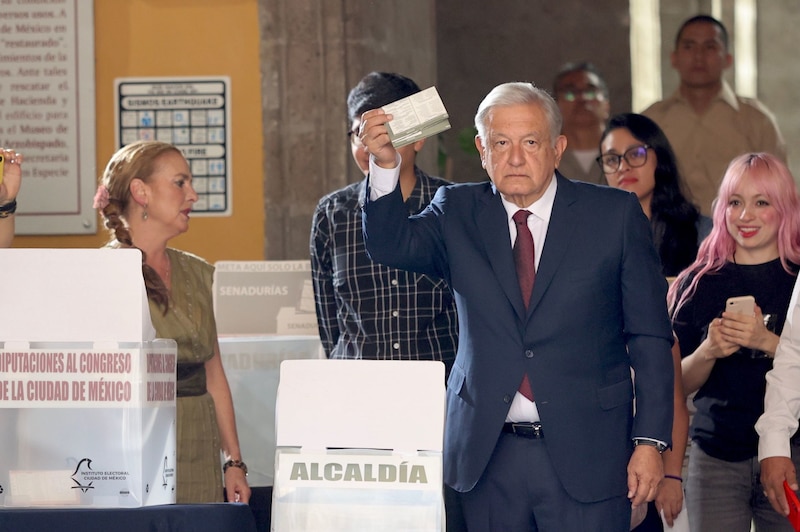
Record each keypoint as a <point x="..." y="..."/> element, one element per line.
<point x="731" y="400"/>
<point x="677" y="241"/>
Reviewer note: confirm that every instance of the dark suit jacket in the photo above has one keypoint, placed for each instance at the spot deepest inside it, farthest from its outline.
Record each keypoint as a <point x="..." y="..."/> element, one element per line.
<point x="598" y="308"/>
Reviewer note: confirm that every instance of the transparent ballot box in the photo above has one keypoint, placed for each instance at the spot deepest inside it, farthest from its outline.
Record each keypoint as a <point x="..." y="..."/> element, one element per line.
<point x="88" y="426"/>
<point x="252" y="365"/>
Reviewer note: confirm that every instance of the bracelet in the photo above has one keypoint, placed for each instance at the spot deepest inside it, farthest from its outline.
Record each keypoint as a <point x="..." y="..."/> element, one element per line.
<point x="674" y="477"/>
<point x="234" y="463"/>
<point x="8" y="209"/>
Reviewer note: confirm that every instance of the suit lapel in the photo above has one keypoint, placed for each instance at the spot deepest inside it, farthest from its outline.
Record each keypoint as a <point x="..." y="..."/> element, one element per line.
<point x="492" y="222"/>
<point x="559" y="232"/>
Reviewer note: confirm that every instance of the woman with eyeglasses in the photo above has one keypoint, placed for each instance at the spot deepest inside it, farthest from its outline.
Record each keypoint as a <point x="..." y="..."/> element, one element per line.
<point x="753" y="250"/>
<point x="636" y="156"/>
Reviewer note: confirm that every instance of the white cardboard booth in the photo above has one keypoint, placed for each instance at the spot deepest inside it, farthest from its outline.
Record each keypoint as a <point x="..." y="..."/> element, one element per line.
<point x="87" y="395"/>
<point x="264" y="298"/>
<point x="265" y="314"/>
<point x="359" y="446"/>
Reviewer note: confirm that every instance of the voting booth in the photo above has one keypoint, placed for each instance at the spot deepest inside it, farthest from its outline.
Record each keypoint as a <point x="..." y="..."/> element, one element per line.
<point x="359" y="446"/>
<point x="87" y="394"/>
<point x="265" y="314"/>
<point x="264" y="298"/>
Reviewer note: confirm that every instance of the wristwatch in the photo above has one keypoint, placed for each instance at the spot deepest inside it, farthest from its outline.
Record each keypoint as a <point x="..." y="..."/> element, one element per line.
<point x="660" y="446"/>
<point x="234" y="463"/>
<point x="8" y="209"/>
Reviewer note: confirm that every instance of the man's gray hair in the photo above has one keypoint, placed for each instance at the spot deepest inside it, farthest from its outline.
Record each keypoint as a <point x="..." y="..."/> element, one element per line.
<point x="519" y="93"/>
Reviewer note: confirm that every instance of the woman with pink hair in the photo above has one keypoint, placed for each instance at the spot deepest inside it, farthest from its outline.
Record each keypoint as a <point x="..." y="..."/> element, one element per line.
<point x="752" y="250"/>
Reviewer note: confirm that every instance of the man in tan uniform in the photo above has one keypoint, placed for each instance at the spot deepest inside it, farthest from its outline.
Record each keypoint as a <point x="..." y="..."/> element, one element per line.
<point x="706" y="123"/>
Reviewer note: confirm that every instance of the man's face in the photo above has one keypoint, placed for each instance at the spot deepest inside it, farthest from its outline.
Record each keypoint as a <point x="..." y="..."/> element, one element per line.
<point x="518" y="153"/>
<point x="582" y="102"/>
<point x="700" y="56"/>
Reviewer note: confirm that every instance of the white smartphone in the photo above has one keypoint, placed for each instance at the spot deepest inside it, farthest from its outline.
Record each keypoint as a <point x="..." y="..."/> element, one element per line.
<point x="741" y="304"/>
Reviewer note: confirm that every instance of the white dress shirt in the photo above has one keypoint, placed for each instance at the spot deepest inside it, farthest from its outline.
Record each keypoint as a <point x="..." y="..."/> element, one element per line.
<point x="782" y="400"/>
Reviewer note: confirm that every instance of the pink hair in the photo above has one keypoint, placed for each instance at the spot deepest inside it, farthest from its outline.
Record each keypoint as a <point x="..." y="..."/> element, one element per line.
<point x="774" y="180"/>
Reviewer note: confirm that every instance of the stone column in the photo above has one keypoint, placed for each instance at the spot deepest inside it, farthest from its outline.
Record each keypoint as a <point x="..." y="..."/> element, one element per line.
<point x="312" y="53"/>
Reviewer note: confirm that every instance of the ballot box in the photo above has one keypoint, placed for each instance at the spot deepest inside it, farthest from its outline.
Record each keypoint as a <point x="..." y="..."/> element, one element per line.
<point x="87" y="394"/>
<point x="265" y="315"/>
<point x="252" y="365"/>
<point x="359" y="446"/>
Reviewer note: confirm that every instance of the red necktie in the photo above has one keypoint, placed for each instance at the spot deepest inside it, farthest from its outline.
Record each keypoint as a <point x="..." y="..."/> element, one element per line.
<point x="526" y="274"/>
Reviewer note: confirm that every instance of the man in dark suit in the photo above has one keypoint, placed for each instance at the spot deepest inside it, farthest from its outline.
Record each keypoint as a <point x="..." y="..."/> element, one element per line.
<point x="570" y="456"/>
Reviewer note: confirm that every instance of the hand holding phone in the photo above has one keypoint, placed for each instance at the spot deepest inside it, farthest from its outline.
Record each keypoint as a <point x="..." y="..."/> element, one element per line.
<point x="742" y="304"/>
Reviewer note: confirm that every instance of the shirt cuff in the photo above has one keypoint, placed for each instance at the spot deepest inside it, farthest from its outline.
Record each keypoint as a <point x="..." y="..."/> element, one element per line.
<point x="773" y="444"/>
<point x="382" y="181"/>
<point x="661" y="444"/>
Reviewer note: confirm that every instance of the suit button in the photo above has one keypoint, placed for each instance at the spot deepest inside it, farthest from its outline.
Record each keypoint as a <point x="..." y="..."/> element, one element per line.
<point x="506" y="399"/>
<point x="528" y="353"/>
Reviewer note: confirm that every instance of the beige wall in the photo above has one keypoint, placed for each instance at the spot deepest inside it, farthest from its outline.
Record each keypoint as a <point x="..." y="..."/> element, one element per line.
<point x="186" y="38"/>
<point x="779" y="71"/>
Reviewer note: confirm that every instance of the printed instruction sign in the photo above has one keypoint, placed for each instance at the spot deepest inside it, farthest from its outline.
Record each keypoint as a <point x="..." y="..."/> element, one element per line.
<point x="191" y="113"/>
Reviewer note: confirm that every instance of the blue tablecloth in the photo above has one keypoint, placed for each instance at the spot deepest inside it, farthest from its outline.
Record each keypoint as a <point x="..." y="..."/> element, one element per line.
<point x="224" y="517"/>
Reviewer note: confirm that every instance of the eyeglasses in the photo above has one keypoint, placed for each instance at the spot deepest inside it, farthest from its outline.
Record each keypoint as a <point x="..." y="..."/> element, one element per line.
<point x="591" y="93"/>
<point x="352" y="134"/>
<point x="635" y="157"/>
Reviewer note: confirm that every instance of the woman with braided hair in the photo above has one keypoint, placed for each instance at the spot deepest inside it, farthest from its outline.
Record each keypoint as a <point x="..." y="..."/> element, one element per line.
<point x="145" y="197"/>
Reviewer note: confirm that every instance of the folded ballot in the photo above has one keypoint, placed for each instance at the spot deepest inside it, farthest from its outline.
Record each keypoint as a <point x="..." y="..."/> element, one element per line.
<point x="416" y="117"/>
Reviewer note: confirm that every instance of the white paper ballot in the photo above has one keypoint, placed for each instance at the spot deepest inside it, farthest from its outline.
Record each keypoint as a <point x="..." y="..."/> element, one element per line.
<point x="416" y="117"/>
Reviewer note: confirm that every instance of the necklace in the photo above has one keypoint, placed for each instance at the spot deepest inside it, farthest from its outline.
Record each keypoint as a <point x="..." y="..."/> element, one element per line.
<point x="168" y="274"/>
<point x="164" y="271"/>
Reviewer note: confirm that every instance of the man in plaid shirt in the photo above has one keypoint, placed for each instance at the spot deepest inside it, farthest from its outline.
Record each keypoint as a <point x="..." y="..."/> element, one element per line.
<point x="366" y="310"/>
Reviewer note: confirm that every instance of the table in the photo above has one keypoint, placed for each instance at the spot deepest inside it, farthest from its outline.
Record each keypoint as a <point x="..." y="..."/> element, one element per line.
<point x="222" y="517"/>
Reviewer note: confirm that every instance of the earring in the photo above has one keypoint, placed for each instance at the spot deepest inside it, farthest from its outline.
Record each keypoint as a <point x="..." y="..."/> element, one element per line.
<point x="144" y="212"/>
